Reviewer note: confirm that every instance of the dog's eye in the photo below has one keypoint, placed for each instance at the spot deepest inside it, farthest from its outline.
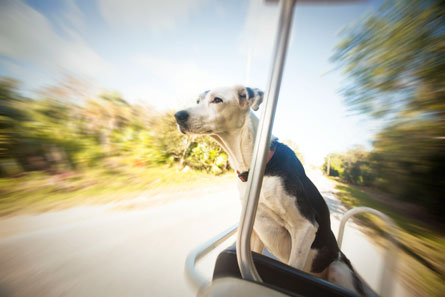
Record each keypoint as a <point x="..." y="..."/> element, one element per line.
<point x="217" y="100"/>
<point x="197" y="101"/>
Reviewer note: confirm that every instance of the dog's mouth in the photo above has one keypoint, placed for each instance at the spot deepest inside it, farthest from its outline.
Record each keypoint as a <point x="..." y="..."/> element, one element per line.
<point x="182" y="129"/>
<point x="186" y="130"/>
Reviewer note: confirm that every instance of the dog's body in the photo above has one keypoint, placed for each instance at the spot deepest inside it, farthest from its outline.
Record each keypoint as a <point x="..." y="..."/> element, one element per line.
<point x="292" y="220"/>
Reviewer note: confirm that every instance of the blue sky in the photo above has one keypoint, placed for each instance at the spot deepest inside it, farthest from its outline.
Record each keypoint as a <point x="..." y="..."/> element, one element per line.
<point x="163" y="53"/>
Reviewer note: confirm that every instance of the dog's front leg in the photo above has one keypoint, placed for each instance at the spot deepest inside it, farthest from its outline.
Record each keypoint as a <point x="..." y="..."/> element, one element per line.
<point x="302" y="237"/>
<point x="256" y="245"/>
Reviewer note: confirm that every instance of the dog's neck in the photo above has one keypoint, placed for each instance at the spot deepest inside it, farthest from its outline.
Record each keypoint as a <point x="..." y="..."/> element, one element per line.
<point x="238" y="144"/>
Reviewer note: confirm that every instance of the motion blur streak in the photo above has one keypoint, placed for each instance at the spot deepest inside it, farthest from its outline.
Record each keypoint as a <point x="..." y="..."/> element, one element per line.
<point x="85" y="92"/>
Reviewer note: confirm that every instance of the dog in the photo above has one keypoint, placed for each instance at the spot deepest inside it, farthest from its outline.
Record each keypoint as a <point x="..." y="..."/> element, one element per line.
<point x="292" y="220"/>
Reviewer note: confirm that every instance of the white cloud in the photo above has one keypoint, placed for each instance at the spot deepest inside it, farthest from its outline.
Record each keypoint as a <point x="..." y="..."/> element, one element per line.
<point x="150" y="94"/>
<point x="71" y="16"/>
<point x="152" y="15"/>
<point x="170" y="83"/>
<point x="27" y="37"/>
<point x="185" y="74"/>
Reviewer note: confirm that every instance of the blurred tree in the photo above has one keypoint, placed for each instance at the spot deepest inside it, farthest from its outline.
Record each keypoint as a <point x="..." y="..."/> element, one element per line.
<point x="11" y="119"/>
<point x="357" y="167"/>
<point x="336" y="164"/>
<point x="69" y="88"/>
<point x="106" y="114"/>
<point x="410" y="161"/>
<point x="54" y="133"/>
<point x="206" y="154"/>
<point x="62" y="130"/>
<point x="395" y="62"/>
<point x="167" y="139"/>
<point x="354" y="166"/>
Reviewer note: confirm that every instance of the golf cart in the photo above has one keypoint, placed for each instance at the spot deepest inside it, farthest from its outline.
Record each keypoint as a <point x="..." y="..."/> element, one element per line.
<point x="240" y="272"/>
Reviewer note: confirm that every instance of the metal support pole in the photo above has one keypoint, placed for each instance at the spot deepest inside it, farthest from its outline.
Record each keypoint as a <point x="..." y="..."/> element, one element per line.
<point x="262" y="144"/>
<point x="386" y="281"/>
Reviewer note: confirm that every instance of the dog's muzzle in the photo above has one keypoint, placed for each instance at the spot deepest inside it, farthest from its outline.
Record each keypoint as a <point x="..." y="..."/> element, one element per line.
<point x="181" y="118"/>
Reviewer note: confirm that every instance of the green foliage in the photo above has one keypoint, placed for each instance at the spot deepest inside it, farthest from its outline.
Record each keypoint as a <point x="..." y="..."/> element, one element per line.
<point x="354" y="166"/>
<point x="56" y="133"/>
<point x="410" y="161"/>
<point x="395" y="63"/>
<point x="11" y="117"/>
<point x="206" y="154"/>
<point x="336" y="164"/>
<point x="166" y="138"/>
<point x="395" y="60"/>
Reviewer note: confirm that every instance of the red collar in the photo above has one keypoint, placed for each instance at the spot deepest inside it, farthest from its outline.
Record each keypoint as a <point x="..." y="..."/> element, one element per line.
<point x="245" y="175"/>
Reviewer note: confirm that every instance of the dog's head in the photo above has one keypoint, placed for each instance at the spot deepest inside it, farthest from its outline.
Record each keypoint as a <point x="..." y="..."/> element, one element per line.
<point x="219" y="111"/>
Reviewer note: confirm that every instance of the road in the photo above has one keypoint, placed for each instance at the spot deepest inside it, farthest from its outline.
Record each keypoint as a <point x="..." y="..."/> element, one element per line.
<point x="137" y="247"/>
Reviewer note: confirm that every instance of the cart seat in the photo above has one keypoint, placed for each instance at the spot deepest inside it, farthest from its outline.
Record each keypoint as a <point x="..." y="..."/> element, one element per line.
<point x="230" y="286"/>
<point x="278" y="276"/>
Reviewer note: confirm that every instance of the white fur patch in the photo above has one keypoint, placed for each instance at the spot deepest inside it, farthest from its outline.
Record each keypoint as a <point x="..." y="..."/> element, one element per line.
<point x="280" y="224"/>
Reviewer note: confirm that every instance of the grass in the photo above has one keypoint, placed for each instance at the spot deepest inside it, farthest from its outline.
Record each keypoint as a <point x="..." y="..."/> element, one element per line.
<point x="422" y="258"/>
<point x="37" y="191"/>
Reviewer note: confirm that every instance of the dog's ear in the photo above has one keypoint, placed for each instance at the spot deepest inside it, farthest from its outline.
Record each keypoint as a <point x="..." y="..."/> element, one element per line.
<point x="257" y="98"/>
<point x="202" y="96"/>
<point x="250" y="97"/>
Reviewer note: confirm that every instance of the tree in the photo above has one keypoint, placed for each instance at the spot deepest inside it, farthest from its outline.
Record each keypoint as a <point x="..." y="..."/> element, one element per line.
<point x="335" y="164"/>
<point x="395" y="63"/>
<point x="11" y="120"/>
<point x="10" y="115"/>
<point x="105" y="114"/>
<point x="62" y="130"/>
<point x="356" y="166"/>
<point x="409" y="161"/>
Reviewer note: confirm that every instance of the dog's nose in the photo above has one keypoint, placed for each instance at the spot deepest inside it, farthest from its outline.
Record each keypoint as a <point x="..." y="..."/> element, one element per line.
<point x="181" y="116"/>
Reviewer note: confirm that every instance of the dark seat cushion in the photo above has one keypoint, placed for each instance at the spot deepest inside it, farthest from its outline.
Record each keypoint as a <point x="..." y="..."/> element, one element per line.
<point x="279" y="276"/>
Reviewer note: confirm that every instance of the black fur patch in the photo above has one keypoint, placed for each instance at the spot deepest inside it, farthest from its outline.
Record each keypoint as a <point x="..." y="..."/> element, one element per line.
<point x="250" y="93"/>
<point x="325" y="256"/>
<point x="309" y="201"/>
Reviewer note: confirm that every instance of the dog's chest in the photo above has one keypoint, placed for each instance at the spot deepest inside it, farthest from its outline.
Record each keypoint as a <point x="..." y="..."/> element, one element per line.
<point x="275" y="200"/>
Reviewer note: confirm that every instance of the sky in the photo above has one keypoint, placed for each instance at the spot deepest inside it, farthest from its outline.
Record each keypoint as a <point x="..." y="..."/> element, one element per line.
<point x="164" y="53"/>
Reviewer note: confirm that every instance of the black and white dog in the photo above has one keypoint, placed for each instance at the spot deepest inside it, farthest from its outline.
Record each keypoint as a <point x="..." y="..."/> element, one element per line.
<point x="292" y="220"/>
